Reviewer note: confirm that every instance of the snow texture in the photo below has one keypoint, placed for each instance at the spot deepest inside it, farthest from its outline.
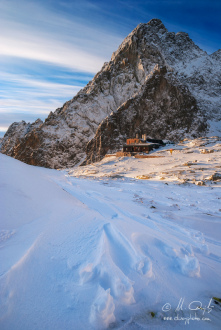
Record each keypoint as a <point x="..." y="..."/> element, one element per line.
<point x="105" y="246"/>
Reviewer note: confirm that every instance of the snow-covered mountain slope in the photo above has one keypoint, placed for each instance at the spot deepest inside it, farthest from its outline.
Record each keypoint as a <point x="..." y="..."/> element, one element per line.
<point x="194" y="161"/>
<point x="111" y="252"/>
<point x="163" y="108"/>
<point x="61" y="140"/>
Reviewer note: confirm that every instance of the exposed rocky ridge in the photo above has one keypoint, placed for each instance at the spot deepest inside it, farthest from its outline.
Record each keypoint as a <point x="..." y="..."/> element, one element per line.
<point x="163" y="108"/>
<point x="15" y="133"/>
<point x="61" y="140"/>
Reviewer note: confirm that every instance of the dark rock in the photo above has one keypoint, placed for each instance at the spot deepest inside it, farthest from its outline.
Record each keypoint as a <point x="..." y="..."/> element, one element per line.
<point x="163" y="109"/>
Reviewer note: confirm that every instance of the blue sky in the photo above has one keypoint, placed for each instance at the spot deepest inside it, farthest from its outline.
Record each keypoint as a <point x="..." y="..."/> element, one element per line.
<point x="50" y="49"/>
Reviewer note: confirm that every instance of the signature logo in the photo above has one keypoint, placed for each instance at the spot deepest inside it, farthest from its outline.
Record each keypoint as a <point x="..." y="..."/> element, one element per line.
<point x="194" y="307"/>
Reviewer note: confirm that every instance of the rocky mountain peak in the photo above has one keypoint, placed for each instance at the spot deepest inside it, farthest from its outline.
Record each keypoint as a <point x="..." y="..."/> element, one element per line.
<point x="15" y="133"/>
<point x="216" y="55"/>
<point x="158" y="78"/>
<point x="162" y="108"/>
<point x="157" y="25"/>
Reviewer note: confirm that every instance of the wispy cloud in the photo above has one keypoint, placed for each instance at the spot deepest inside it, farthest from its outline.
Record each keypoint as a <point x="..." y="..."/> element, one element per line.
<point x="24" y="98"/>
<point x="30" y="96"/>
<point x="26" y="83"/>
<point x="44" y="50"/>
<point x="41" y="34"/>
<point x="53" y="38"/>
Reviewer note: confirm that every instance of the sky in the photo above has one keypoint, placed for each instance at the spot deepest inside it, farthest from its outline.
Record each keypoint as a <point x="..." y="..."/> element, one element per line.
<point x="50" y="49"/>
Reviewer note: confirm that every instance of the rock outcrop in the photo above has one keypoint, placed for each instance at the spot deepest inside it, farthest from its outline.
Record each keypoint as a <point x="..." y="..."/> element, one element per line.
<point x="163" y="108"/>
<point x="185" y="103"/>
<point x="15" y="134"/>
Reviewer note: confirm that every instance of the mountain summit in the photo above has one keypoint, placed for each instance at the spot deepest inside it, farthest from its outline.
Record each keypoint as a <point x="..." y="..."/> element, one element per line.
<point x="157" y="82"/>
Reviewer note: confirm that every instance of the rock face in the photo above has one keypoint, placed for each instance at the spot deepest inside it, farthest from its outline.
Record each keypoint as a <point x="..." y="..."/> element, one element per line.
<point x="163" y="108"/>
<point x="15" y="135"/>
<point x="157" y="82"/>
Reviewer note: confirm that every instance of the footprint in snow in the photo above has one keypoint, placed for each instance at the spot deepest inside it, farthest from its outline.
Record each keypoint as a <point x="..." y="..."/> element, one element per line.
<point x="106" y="271"/>
<point x="199" y="243"/>
<point x="124" y="254"/>
<point x="183" y="260"/>
<point x="6" y="234"/>
<point x="102" y="309"/>
<point x="116" y="259"/>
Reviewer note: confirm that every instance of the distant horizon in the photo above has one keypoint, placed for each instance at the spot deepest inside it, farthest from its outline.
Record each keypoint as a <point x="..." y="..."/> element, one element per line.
<point x="51" y="50"/>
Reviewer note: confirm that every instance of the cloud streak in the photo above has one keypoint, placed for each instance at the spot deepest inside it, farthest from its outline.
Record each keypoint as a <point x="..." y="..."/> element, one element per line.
<point x="41" y="87"/>
<point x="53" y="38"/>
<point x="24" y="98"/>
<point x="39" y="35"/>
<point x="56" y="53"/>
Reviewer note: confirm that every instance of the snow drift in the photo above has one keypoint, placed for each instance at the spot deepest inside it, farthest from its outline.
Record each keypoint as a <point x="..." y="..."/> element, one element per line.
<point x="106" y="252"/>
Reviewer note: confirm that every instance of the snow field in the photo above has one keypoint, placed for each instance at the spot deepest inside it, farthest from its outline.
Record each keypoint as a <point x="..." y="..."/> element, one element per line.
<point x="106" y="252"/>
<point x="192" y="161"/>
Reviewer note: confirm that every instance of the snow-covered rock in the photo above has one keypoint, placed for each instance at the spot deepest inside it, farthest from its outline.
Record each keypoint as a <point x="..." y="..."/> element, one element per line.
<point x="15" y="133"/>
<point x="163" y="108"/>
